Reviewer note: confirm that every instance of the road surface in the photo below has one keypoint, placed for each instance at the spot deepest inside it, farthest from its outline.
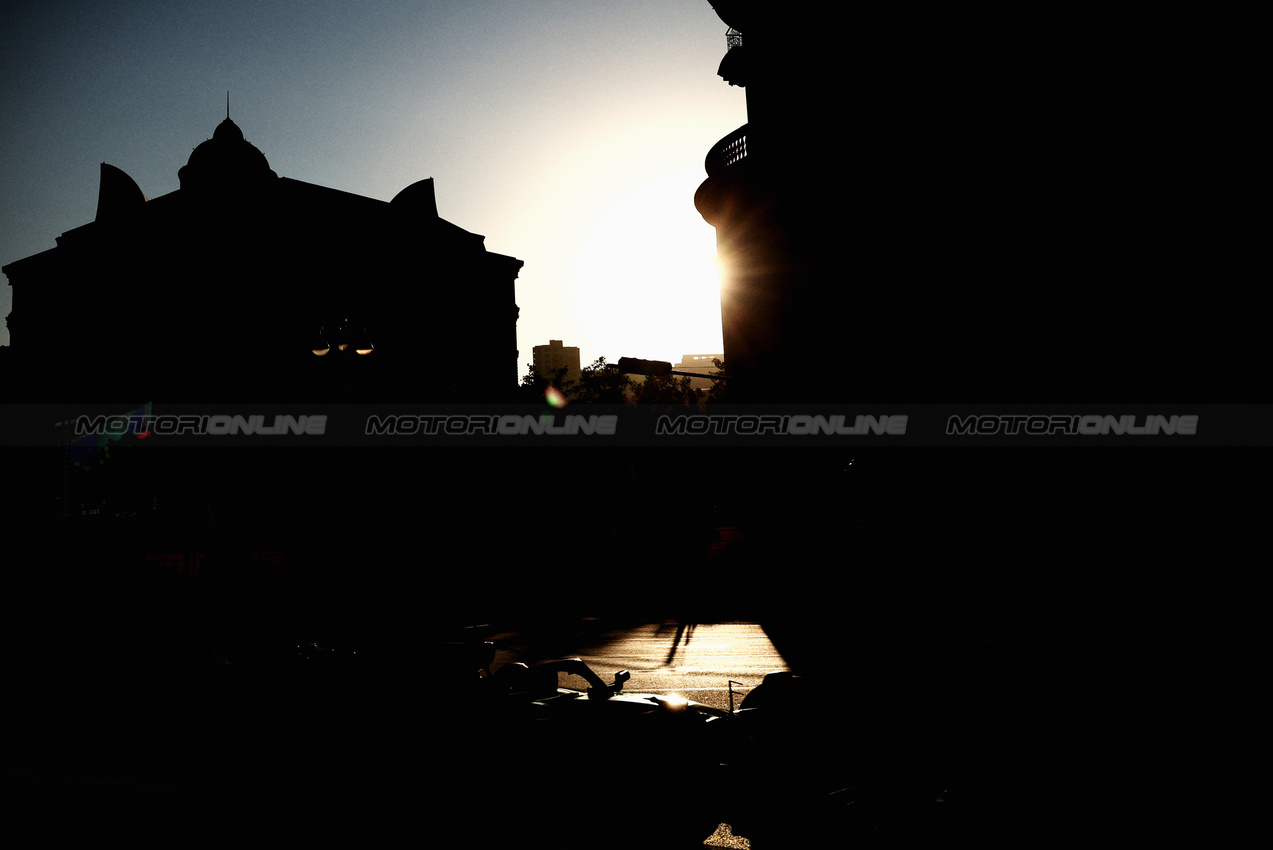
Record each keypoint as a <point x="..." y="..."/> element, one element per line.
<point x="695" y="661"/>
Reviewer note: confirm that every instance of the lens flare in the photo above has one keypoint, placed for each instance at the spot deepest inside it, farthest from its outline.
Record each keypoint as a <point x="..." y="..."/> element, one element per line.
<point x="554" y="397"/>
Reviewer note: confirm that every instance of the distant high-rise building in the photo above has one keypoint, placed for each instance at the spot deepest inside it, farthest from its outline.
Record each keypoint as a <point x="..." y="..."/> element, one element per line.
<point x="553" y="357"/>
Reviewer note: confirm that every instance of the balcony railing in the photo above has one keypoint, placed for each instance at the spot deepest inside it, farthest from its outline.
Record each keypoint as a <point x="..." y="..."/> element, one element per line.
<point x="728" y="151"/>
<point x="733" y="38"/>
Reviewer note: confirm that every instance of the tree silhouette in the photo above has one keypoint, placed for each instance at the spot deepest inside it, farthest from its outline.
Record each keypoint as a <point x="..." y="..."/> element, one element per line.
<point x="534" y="387"/>
<point x="666" y="389"/>
<point x="602" y="383"/>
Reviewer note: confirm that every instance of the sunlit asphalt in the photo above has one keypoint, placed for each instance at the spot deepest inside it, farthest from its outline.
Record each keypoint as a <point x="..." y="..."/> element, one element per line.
<point x="696" y="661"/>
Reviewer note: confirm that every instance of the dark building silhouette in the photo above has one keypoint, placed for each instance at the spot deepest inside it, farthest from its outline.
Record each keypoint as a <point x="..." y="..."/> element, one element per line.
<point x="222" y="289"/>
<point x="955" y="205"/>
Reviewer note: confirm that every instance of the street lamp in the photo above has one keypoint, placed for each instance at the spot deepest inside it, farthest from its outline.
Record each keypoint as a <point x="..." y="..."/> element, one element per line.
<point x="339" y="337"/>
<point x="359" y="341"/>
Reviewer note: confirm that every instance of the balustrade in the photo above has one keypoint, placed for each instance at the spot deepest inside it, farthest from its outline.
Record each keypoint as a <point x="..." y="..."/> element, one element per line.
<point x="728" y="151"/>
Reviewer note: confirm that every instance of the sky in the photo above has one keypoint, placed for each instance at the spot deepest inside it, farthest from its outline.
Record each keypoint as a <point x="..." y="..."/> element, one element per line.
<point x="570" y="133"/>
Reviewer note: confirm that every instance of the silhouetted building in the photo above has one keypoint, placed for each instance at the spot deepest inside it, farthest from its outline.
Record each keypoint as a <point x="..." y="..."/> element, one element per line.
<point x="701" y="363"/>
<point x="6" y="359"/>
<point x="554" y="356"/>
<point x="225" y="288"/>
<point x="949" y="205"/>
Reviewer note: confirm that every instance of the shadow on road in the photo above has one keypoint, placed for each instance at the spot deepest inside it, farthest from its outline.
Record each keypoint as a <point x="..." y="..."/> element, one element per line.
<point x="681" y="640"/>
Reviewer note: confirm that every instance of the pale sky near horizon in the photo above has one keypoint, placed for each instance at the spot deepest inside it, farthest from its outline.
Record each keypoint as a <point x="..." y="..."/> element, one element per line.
<point x="570" y="133"/>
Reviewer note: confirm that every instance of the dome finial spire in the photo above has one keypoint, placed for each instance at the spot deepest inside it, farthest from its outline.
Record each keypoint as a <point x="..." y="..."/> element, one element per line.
<point x="227" y="104"/>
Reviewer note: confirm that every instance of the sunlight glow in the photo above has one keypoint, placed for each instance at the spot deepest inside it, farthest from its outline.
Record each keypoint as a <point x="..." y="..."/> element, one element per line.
<point x="646" y="275"/>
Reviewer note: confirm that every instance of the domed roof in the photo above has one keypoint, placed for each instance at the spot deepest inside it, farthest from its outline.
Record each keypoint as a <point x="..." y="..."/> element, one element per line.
<point x="227" y="130"/>
<point x="225" y="159"/>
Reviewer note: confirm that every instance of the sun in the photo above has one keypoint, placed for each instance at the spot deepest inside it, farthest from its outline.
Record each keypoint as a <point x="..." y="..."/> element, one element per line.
<point x="647" y="281"/>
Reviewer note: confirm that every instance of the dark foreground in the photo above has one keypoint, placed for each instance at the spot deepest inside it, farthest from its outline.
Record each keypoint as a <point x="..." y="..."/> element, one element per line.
<point x="1049" y="645"/>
